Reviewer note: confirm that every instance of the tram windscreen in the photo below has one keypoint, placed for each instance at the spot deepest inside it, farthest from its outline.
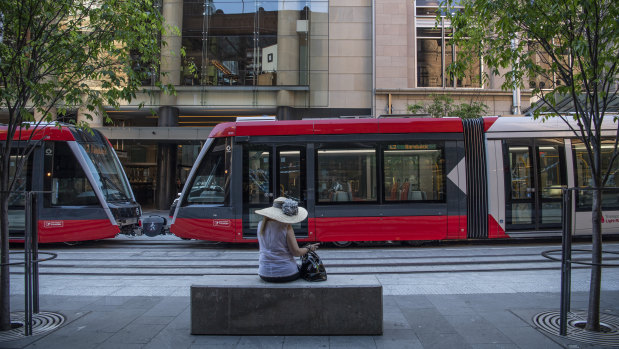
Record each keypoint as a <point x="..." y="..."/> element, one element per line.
<point x="106" y="169"/>
<point x="210" y="183"/>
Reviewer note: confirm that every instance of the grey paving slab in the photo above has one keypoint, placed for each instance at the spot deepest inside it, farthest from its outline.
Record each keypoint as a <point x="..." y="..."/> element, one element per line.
<point x="135" y="334"/>
<point x="169" y="306"/>
<point x="442" y="340"/>
<point x="172" y="339"/>
<point x="347" y="342"/>
<point x="259" y="342"/>
<point x="305" y="342"/>
<point x="413" y="302"/>
<point x="495" y="346"/>
<point x="398" y="338"/>
<point x="452" y="305"/>
<point x="427" y="321"/>
<point x="153" y="320"/>
<point x="411" y="321"/>
<point x="529" y="338"/>
<point x="395" y="320"/>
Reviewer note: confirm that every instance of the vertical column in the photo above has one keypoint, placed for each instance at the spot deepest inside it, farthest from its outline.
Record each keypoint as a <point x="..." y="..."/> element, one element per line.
<point x="97" y="117"/>
<point x="287" y="56"/>
<point x="168" y="113"/>
<point x="166" y="161"/>
<point x="52" y="112"/>
<point x="171" y="52"/>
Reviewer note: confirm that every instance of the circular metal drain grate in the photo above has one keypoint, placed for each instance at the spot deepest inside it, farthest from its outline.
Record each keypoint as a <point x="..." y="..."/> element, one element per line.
<point x="549" y="322"/>
<point x="41" y="323"/>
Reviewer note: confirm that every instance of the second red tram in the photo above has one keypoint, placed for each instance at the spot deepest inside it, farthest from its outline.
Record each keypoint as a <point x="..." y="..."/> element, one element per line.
<point x="84" y="192"/>
<point x="392" y="179"/>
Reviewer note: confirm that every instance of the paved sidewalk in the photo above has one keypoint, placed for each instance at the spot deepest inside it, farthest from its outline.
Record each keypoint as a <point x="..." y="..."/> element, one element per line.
<point x="499" y="320"/>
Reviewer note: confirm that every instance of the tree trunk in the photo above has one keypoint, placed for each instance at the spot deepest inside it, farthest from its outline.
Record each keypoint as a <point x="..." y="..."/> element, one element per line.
<point x="593" y="316"/>
<point x="5" y="297"/>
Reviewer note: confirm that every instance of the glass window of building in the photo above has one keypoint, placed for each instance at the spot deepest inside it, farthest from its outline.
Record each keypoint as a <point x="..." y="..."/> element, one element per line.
<point x="545" y="78"/>
<point x="211" y="182"/>
<point x="610" y="199"/>
<point x="414" y="172"/>
<point x="346" y="175"/>
<point x="435" y="52"/>
<point x="245" y="43"/>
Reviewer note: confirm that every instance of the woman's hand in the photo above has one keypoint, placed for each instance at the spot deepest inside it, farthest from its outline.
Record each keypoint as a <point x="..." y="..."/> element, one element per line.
<point x="312" y="247"/>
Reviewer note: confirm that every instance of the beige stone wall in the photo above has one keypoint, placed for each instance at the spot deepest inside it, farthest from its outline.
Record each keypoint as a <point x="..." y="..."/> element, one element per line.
<point x="350" y="54"/>
<point x="498" y="102"/>
<point x="394" y="44"/>
<point x="396" y="56"/>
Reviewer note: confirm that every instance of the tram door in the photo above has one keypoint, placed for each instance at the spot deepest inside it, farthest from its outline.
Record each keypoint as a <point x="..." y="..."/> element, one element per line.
<point x="536" y="173"/>
<point x="268" y="173"/>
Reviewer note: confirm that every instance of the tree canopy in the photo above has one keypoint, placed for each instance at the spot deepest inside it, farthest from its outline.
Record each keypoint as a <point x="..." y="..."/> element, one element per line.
<point x="559" y="49"/>
<point x="57" y="55"/>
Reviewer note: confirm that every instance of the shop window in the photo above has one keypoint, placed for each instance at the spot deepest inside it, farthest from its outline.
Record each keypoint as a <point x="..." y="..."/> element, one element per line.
<point x="414" y="172"/>
<point x="346" y="175"/>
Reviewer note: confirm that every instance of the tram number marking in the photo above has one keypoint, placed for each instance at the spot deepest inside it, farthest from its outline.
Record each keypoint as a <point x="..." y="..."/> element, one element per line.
<point x="53" y="224"/>
<point x="222" y="223"/>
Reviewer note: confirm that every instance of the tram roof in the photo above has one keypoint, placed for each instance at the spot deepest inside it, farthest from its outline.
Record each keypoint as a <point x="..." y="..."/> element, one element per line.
<point x="42" y="131"/>
<point x="342" y="126"/>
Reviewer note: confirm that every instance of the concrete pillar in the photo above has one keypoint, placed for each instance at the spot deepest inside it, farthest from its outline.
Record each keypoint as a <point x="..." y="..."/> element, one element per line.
<point x="166" y="161"/>
<point x="284" y="113"/>
<point x="97" y="117"/>
<point x="52" y="112"/>
<point x="287" y="54"/>
<point x="165" y="190"/>
<point x="171" y="53"/>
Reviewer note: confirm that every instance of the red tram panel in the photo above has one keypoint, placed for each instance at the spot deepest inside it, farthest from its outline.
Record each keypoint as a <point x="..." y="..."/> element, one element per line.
<point x="382" y="179"/>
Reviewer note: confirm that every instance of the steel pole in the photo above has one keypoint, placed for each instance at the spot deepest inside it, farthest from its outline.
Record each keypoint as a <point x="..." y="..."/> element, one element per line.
<point x="28" y="266"/>
<point x="566" y="260"/>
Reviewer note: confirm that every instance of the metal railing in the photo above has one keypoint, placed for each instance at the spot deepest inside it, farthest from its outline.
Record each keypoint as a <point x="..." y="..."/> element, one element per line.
<point x="566" y="254"/>
<point x="31" y="261"/>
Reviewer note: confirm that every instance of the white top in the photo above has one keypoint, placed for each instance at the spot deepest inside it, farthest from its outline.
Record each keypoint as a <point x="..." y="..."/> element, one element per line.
<point x="275" y="258"/>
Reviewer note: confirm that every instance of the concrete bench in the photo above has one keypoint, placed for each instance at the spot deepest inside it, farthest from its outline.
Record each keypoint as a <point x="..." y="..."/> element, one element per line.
<point x="247" y="305"/>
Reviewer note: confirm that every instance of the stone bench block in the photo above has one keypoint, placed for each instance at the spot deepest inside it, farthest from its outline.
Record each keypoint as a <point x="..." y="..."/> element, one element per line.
<point x="247" y="305"/>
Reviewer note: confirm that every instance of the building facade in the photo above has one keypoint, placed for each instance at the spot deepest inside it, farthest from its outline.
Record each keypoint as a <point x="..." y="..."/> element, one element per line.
<point x="289" y="59"/>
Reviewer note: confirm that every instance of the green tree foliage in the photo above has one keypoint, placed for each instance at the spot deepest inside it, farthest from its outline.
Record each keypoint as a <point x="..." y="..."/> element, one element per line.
<point x="573" y="46"/>
<point x="443" y="106"/>
<point x="65" y="54"/>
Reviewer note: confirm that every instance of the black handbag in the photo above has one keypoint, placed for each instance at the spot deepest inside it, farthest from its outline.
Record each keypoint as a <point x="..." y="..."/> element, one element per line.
<point x="312" y="268"/>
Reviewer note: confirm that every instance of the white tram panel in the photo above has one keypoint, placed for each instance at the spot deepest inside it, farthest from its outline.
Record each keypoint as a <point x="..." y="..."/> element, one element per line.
<point x="496" y="182"/>
<point x="526" y="127"/>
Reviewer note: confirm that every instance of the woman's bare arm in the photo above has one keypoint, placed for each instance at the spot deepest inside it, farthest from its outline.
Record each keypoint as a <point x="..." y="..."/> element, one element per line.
<point x="293" y="246"/>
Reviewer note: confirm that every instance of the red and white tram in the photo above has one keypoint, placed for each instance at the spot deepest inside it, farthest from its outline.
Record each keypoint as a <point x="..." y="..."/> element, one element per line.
<point x="86" y="194"/>
<point x="392" y="179"/>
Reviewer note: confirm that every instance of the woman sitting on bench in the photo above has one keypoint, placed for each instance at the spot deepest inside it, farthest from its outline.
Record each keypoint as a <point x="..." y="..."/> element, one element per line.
<point x="278" y="245"/>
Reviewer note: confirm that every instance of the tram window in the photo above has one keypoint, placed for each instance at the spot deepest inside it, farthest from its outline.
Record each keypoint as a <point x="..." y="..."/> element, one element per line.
<point x="414" y="172"/>
<point x="17" y="198"/>
<point x="210" y="185"/>
<point x="66" y="179"/>
<point x="610" y="199"/>
<point x="346" y="175"/>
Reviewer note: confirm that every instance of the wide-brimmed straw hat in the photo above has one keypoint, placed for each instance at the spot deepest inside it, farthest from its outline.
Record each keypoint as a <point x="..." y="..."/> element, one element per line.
<point x="285" y="211"/>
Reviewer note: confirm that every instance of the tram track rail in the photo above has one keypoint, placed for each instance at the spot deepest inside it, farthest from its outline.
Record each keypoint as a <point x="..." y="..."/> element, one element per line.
<point x="378" y="266"/>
